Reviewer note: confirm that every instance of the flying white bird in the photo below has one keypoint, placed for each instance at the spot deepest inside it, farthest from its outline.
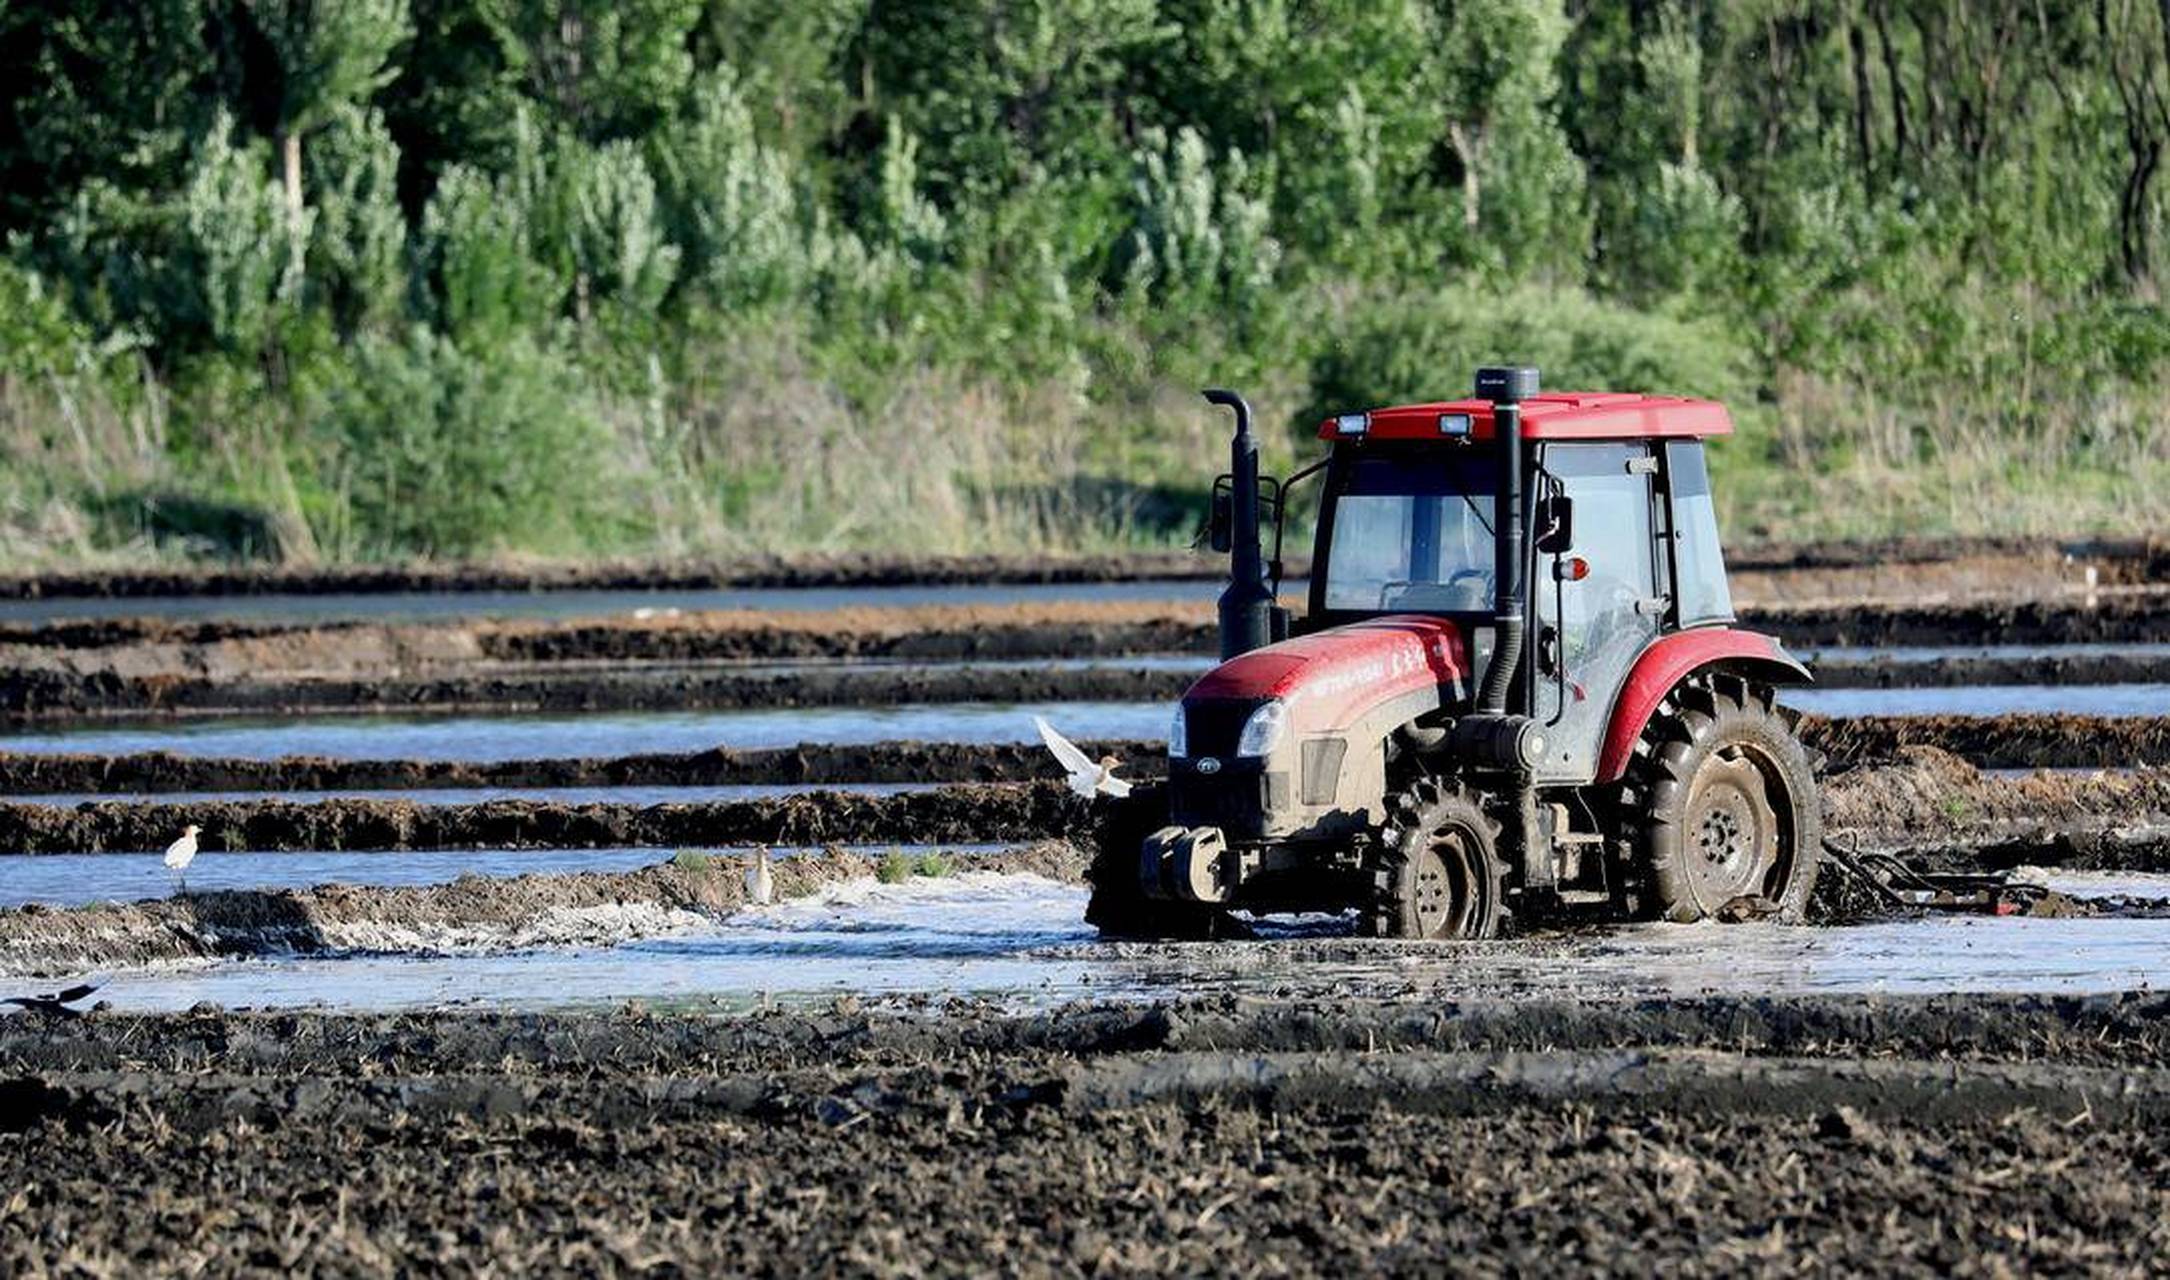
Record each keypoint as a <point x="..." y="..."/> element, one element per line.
<point x="761" y="879"/>
<point x="182" y="852"/>
<point x="1084" y="776"/>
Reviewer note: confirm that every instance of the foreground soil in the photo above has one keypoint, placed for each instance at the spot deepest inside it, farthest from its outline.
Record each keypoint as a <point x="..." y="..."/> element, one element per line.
<point x="1978" y="1135"/>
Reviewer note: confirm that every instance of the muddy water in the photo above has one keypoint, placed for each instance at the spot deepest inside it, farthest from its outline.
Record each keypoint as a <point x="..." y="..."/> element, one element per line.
<point x="1019" y="940"/>
<point x="1935" y="653"/>
<point x="421" y="606"/>
<point x="72" y="879"/>
<point x="600" y="734"/>
<point x="2101" y="700"/>
<point x="67" y="879"/>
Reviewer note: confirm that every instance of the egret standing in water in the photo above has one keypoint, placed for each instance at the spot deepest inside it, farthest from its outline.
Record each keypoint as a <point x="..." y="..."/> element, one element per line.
<point x="1085" y="777"/>
<point x="761" y="879"/>
<point x="182" y="852"/>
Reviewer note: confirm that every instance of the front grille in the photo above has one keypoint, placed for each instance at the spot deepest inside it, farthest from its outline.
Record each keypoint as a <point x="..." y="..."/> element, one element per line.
<point x="1214" y="724"/>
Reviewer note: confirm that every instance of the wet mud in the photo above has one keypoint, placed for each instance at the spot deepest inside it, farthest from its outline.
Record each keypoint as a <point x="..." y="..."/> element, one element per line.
<point x="29" y="695"/>
<point x="842" y="570"/>
<point x="1989" y="742"/>
<point x="149" y="648"/>
<point x="1308" y="1136"/>
<point x="965" y="813"/>
<point x="807" y="764"/>
<point x="2016" y="741"/>
<point x="1925" y="799"/>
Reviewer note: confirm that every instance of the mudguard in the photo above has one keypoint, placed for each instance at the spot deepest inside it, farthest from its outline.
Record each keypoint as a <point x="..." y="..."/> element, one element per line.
<point x="1673" y="658"/>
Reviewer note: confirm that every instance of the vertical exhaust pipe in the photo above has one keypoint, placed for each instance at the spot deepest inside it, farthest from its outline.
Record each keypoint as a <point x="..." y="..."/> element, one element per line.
<point x="1506" y="388"/>
<point x="1247" y="603"/>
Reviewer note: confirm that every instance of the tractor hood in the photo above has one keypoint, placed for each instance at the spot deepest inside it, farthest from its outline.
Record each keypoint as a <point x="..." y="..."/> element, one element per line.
<point x="1329" y="677"/>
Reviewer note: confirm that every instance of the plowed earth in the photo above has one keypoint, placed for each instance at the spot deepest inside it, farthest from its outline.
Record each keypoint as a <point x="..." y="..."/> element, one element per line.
<point x="1938" y="1136"/>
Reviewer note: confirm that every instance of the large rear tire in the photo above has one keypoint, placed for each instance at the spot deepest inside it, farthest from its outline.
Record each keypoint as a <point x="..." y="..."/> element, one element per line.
<point x="1437" y="872"/>
<point x="1729" y="805"/>
<point x="1118" y="907"/>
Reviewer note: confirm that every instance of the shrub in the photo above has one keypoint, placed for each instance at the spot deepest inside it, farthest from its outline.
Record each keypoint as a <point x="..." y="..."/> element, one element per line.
<point x="447" y="451"/>
<point x="1425" y="347"/>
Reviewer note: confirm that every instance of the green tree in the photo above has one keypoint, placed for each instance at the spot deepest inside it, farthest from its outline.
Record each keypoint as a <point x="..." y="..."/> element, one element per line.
<point x="331" y="54"/>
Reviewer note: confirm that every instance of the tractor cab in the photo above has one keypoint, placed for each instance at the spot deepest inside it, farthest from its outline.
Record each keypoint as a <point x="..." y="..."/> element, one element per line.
<point x="1622" y="544"/>
<point x="1516" y="686"/>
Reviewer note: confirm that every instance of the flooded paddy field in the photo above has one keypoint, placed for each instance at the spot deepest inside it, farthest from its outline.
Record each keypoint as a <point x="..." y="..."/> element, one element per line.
<point x="509" y="955"/>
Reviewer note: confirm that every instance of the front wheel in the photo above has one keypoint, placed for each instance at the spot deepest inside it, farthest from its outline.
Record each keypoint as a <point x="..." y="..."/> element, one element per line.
<point x="1729" y="805"/>
<point x="1437" y="872"/>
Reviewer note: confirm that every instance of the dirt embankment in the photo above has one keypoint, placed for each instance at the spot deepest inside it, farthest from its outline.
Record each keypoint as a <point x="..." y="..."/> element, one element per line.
<point x="1989" y="742"/>
<point x="842" y="570"/>
<point x="1927" y="800"/>
<point x="810" y="764"/>
<point x="473" y="913"/>
<point x="1928" y="558"/>
<point x="965" y="813"/>
<point x="30" y="695"/>
<point x="1305" y="1137"/>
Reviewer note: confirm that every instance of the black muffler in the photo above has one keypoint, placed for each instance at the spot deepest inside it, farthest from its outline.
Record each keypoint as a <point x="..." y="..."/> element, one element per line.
<point x="1490" y="736"/>
<point x="1247" y="603"/>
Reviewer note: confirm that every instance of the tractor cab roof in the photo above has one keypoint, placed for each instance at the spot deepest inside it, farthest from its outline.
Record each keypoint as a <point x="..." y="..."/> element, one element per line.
<point x="1554" y="415"/>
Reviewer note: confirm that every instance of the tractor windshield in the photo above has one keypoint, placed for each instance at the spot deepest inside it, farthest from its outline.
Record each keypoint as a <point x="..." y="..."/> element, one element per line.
<point x="1413" y="534"/>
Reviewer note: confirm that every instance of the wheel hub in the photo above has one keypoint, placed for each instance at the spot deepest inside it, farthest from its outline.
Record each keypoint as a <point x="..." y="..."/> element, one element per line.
<point x="1732" y="830"/>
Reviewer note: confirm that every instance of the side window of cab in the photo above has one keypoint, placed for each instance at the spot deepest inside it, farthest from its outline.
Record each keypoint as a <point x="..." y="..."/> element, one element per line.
<point x="1700" y="588"/>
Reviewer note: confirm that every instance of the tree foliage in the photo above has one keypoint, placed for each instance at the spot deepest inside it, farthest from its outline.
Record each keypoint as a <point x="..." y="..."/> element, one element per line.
<point x="1782" y="199"/>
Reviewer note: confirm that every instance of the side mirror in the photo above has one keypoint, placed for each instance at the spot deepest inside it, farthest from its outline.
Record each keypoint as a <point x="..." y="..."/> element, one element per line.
<point x="1556" y="525"/>
<point x="1221" y="520"/>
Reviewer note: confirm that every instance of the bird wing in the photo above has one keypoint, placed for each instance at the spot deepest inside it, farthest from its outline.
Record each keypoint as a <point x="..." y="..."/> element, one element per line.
<point x="1072" y="760"/>
<point x="180" y="851"/>
<point x="73" y="994"/>
<point x="1114" y="786"/>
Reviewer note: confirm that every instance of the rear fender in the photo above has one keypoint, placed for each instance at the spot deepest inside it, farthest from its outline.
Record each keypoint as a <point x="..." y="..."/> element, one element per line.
<point x="1676" y="657"/>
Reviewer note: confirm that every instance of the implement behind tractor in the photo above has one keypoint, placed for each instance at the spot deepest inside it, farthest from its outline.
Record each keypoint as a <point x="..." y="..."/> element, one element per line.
<point x="1516" y="687"/>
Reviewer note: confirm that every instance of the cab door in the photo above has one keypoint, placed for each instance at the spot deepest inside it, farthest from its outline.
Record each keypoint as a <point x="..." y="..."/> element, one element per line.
<point x="1590" y="628"/>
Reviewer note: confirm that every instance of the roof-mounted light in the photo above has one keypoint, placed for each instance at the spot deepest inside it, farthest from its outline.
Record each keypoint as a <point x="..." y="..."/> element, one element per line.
<point x="1352" y="424"/>
<point x="1455" y="425"/>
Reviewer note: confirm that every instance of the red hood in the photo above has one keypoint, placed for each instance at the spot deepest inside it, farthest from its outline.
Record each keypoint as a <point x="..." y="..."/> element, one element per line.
<point x="1327" y="675"/>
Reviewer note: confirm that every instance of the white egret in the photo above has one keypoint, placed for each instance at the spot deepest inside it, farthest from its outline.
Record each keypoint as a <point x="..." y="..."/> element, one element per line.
<point x="182" y="852"/>
<point x="1085" y="776"/>
<point x="761" y="879"/>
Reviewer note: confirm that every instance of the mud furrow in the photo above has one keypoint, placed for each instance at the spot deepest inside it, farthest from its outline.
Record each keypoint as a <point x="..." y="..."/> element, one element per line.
<point x="1926" y="799"/>
<point x="2128" y="1029"/>
<point x="1990" y="742"/>
<point x="30" y="696"/>
<point x="965" y="813"/>
<point x="1559" y="1162"/>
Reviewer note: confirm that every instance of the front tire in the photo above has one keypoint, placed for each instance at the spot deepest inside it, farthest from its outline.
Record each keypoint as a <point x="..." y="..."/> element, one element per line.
<point x="1730" y="809"/>
<point x="1437" y="872"/>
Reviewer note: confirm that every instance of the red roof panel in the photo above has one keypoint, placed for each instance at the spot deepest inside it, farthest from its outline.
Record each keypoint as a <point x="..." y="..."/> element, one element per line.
<point x="1559" y="415"/>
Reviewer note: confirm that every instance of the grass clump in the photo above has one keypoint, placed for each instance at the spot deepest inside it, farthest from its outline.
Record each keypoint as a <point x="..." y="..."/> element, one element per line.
<point x="894" y="868"/>
<point x="693" y="861"/>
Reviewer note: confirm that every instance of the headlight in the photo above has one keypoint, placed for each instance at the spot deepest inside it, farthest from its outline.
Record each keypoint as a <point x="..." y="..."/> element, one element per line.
<point x="1262" y="732"/>
<point x="1178" y="736"/>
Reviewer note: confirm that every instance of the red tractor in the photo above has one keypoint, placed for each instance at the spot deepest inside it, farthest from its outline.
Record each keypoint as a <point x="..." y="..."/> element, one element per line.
<point x="1436" y="744"/>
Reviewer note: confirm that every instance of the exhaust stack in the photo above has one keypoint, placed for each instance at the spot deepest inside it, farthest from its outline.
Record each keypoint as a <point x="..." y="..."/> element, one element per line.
<point x="1247" y="604"/>
<point x="1506" y="388"/>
